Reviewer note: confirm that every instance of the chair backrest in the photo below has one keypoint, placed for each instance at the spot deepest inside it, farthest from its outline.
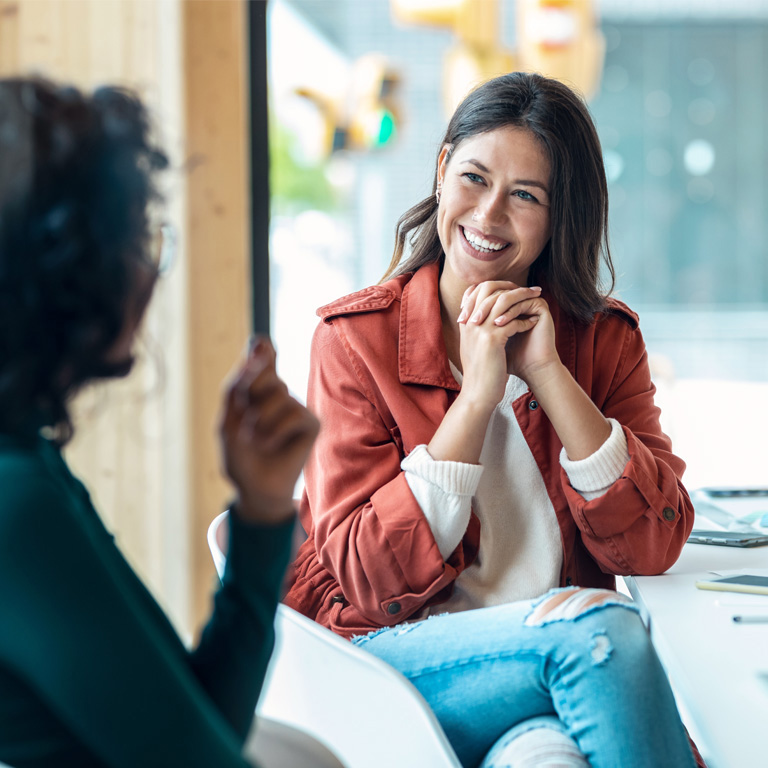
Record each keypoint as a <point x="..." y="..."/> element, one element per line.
<point x="369" y="714"/>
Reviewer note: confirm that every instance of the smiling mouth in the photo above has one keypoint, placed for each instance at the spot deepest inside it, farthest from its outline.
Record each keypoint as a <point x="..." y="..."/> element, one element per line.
<point x="481" y="244"/>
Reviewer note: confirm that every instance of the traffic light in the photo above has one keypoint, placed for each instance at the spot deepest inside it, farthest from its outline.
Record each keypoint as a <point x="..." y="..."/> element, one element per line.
<point x="365" y="118"/>
<point x="558" y="38"/>
<point x="373" y="114"/>
<point x="474" y="21"/>
<point x="476" y="56"/>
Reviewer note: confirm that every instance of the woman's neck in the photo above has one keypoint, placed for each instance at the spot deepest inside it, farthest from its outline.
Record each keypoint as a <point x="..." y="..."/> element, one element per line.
<point x="450" y="306"/>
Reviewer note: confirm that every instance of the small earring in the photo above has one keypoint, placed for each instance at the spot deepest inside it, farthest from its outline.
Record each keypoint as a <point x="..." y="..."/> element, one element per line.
<point x="437" y="195"/>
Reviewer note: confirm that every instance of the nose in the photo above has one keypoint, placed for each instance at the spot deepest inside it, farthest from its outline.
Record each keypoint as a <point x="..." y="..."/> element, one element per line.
<point x="491" y="209"/>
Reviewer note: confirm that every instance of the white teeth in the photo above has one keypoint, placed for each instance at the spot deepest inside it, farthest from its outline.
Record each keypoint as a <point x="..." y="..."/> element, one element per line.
<point x="480" y="242"/>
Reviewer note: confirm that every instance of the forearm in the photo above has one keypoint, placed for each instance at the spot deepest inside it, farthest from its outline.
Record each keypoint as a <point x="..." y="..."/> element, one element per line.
<point x="461" y="433"/>
<point x="231" y="660"/>
<point x="579" y="424"/>
<point x="127" y="671"/>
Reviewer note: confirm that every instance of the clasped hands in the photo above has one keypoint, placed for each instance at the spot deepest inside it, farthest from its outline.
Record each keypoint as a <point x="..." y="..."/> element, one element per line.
<point x="504" y="329"/>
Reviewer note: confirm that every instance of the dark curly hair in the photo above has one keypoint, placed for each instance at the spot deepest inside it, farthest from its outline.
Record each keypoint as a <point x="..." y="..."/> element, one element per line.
<point x="77" y="174"/>
<point x="558" y="118"/>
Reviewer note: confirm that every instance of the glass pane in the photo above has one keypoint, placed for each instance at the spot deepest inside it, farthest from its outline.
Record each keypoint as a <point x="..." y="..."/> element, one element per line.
<point x="681" y="112"/>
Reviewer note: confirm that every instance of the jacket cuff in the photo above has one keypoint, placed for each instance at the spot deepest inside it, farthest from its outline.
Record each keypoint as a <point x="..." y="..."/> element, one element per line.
<point x="593" y="476"/>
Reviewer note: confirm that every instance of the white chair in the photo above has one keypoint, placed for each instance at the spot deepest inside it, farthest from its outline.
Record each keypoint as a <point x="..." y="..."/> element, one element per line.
<point x="365" y="711"/>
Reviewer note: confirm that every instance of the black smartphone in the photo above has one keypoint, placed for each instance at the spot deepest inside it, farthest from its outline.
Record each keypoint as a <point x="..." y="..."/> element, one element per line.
<point x="735" y="493"/>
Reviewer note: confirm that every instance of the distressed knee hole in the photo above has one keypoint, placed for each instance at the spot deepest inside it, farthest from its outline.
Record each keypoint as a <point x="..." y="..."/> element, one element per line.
<point x="600" y="648"/>
<point x="569" y="604"/>
<point x="534" y="749"/>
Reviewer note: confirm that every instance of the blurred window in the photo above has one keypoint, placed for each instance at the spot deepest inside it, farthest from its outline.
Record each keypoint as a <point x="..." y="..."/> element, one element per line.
<point x="681" y="114"/>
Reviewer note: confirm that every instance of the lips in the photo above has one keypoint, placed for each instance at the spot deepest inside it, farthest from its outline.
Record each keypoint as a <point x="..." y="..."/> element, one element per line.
<point x="481" y="246"/>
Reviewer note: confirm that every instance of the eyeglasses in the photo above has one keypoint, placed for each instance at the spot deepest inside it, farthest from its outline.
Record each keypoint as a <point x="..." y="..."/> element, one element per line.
<point x="163" y="247"/>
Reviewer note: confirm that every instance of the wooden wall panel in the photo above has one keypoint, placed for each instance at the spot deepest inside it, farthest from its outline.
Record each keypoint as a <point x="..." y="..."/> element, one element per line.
<point x="9" y="36"/>
<point x="218" y="248"/>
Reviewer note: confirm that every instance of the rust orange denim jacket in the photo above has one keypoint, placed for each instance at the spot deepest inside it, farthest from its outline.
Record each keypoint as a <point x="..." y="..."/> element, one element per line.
<point x="380" y="382"/>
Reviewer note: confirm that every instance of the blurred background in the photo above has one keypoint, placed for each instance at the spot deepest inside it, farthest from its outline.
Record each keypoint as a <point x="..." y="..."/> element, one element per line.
<point x="359" y="94"/>
<point x="678" y="90"/>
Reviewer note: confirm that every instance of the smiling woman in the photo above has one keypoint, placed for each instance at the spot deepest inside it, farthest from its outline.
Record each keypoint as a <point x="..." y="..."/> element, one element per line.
<point x="564" y="171"/>
<point x="493" y="220"/>
<point x="492" y="454"/>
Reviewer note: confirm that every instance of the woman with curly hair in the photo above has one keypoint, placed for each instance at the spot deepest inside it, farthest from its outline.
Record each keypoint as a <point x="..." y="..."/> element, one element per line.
<point x="492" y="457"/>
<point x="91" y="671"/>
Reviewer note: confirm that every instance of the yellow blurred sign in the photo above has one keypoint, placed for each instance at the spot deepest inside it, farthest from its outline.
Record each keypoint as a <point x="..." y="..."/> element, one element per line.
<point x="559" y="38"/>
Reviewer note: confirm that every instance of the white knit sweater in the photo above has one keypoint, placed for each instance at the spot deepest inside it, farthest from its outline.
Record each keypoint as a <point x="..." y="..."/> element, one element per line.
<point x="520" y="553"/>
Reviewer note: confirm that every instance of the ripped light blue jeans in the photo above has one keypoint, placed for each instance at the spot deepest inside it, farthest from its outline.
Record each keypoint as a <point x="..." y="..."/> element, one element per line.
<point x="590" y="664"/>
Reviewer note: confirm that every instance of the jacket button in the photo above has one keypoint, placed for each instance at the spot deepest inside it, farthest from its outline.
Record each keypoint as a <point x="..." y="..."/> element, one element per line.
<point x="669" y="513"/>
<point x="337" y="599"/>
<point x="568" y="581"/>
<point x="393" y="608"/>
<point x="533" y="405"/>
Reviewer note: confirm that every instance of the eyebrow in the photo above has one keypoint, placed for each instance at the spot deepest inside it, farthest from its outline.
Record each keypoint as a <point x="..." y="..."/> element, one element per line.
<point x="524" y="182"/>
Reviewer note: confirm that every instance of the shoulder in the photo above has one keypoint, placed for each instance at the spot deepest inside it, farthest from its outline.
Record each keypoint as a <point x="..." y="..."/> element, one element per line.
<point x="20" y="460"/>
<point x="614" y="313"/>
<point x="618" y="309"/>
<point x="610" y="329"/>
<point x="360" y="330"/>
<point x="375" y="298"/>
<point x="31" y="491"/>
<point x="614" y="308"/>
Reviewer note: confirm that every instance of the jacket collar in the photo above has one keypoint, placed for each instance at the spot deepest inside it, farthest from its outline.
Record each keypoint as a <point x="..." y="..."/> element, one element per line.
<point x="423" y="358"/>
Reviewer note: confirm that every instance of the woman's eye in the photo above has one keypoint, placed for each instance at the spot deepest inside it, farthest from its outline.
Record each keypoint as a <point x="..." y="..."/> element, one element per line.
<point x="523" y="195"/>
<point x="474" y="177"/>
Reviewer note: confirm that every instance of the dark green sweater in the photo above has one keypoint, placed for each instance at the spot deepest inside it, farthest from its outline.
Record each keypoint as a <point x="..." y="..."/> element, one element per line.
<point x="91" y="671"/>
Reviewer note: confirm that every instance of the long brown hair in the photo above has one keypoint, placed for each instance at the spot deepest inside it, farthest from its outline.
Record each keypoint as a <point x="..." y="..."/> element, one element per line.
<point x="570" y="263"/>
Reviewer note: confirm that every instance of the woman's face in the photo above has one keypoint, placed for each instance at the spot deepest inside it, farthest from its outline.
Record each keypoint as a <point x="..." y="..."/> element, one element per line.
<point x="493" y="218"/>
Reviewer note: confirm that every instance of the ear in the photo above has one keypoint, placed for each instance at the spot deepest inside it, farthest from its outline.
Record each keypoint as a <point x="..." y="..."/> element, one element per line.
<point x="442" y="162"/>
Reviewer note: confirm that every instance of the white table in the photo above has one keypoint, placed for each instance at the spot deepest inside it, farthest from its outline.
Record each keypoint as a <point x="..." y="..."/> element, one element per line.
<point x="719" y="669"/>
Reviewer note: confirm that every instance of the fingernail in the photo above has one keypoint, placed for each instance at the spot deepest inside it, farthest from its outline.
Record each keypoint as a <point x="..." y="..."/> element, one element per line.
<point x="535" y="287"/>
<point x="462" y="316"/>
<point x="258" y="346"/>
<point x="476" y="317"/>
<point x="255" y="342"/>
<point x="500" y="320"/>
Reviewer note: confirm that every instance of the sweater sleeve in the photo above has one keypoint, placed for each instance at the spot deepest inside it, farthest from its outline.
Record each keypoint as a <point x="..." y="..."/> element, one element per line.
<point x="593" y="476"/>
<point x="444" y="491"/>
<point x="82" y="632"/>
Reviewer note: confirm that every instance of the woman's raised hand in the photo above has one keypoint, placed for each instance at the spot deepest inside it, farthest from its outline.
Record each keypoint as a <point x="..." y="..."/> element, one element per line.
<point x="266" y="436"/>
<point x="512" y="321"/>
